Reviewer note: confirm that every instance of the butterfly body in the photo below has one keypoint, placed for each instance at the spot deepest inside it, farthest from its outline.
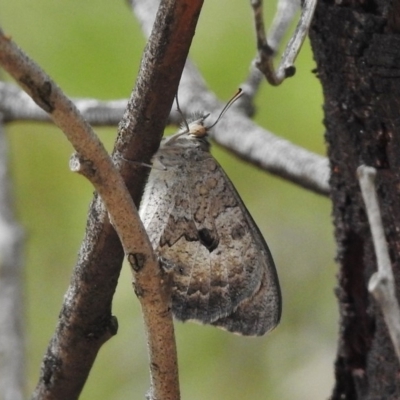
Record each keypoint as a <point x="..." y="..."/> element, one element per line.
<point x="222" y="272"/>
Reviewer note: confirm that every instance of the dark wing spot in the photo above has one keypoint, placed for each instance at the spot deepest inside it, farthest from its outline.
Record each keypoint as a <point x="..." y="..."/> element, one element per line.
<point x="238" y="232"/>
<point x="207" y="239"/>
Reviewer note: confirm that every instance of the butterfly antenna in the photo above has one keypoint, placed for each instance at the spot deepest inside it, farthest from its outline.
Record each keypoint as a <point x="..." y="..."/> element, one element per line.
<point x="181" y="113"/>
<point x="238" y="94"/>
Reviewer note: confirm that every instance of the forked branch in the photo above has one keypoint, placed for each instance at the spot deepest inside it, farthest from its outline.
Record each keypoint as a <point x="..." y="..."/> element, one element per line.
<point x="267" y="50"/>
<point x="238" y="133"/>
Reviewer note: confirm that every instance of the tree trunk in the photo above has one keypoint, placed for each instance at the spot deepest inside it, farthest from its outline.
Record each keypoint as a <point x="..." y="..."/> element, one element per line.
<point x="357" y="51"/>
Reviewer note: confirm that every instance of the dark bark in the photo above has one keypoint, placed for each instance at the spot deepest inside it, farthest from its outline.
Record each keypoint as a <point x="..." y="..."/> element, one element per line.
<point x="357" y="52"/>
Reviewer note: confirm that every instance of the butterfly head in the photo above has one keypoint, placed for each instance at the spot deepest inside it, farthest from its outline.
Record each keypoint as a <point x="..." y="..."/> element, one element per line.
<point x="196" y="127"/>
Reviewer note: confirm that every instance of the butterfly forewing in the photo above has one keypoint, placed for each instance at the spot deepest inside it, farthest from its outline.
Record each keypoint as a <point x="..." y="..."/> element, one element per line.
<point x="221" y="270"/>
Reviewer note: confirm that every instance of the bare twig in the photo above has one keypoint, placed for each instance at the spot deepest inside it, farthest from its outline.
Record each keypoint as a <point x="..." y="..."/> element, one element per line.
<point x="252" y="83"/>
<point x="12" y="345"/>
<point x="94" y="162"/>
<point x="268" y="151"/>
<point x="285" y="13"/>
<point x="303" y="167"/>
<point x="266" y="51"/>
<point x="240" y="135"/>
<point x="249" y="141"/>
<point x="381" y="284"/>
<point x="16" y="105"/>
<point x="244" y="138"/>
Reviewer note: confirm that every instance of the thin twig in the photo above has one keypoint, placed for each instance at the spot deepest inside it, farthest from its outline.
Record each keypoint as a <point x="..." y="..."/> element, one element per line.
<point x="270" y="152"/>
<point x="239" y="134"/>
<point x="16" y="105"/>
<point x="285" y="13"/>
<point x="266" y="52"/>
<point x="253" y="143"/>
<point x="261" y="147"/>
<point x="252" y="85"/>
<point x="381" y="284"/>
<point x="286" y="10"/>
<point x="12" y="344"/>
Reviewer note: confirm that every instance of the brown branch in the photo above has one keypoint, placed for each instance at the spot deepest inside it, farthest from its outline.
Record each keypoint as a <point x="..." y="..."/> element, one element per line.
<point x="111" y="188"/>
<point x="82" y="329"/>
<point x="148" y="109"/>
<point x="12" y="345"/>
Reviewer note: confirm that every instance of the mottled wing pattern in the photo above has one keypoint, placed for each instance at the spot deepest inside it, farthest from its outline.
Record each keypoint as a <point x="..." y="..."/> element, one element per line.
<point x="222" y="271"/>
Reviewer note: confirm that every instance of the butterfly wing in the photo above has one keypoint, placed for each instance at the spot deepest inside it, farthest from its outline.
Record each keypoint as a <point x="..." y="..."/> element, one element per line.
<point x="222" y="270"/>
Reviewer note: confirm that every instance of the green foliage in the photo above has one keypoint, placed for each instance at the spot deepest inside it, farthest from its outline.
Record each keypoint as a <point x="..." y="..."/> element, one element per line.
<point x="93" y="49"/>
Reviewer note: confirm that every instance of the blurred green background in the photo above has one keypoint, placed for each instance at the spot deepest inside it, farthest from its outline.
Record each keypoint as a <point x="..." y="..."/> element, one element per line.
<point x="92" y="49"/>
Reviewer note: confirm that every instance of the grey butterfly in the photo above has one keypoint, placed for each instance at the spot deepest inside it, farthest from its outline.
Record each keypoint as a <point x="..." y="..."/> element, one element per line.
<point x="222" y="272"/>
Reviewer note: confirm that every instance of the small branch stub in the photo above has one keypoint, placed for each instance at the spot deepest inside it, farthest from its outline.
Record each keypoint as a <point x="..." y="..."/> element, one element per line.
<point x="84" y="167"/>
<point x="381" y="284"/>
<point x="137" y="261"/>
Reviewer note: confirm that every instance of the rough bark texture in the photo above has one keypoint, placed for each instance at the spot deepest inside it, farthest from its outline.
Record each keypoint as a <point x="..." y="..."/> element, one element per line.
<point x="357" y="52"/>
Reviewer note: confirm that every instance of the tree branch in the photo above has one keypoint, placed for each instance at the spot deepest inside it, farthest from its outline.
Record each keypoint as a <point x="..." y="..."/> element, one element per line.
<point x="12" y="345"/>
<point x="16" y="105"/>
<point x="286" y="11"/>
<point x="266" y="52"/>
<point x="143" y="122"/>
<point x="252" y="143"/>
<point x="110" y="186"/>
<point x="262" y="148"/>
<point x="381" y="284"/>
<point x="238" y="133"/>
<point x="257" y="145"/>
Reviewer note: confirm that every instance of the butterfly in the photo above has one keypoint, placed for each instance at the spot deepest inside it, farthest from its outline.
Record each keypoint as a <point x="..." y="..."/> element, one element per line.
<point x="220" y="267"/>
